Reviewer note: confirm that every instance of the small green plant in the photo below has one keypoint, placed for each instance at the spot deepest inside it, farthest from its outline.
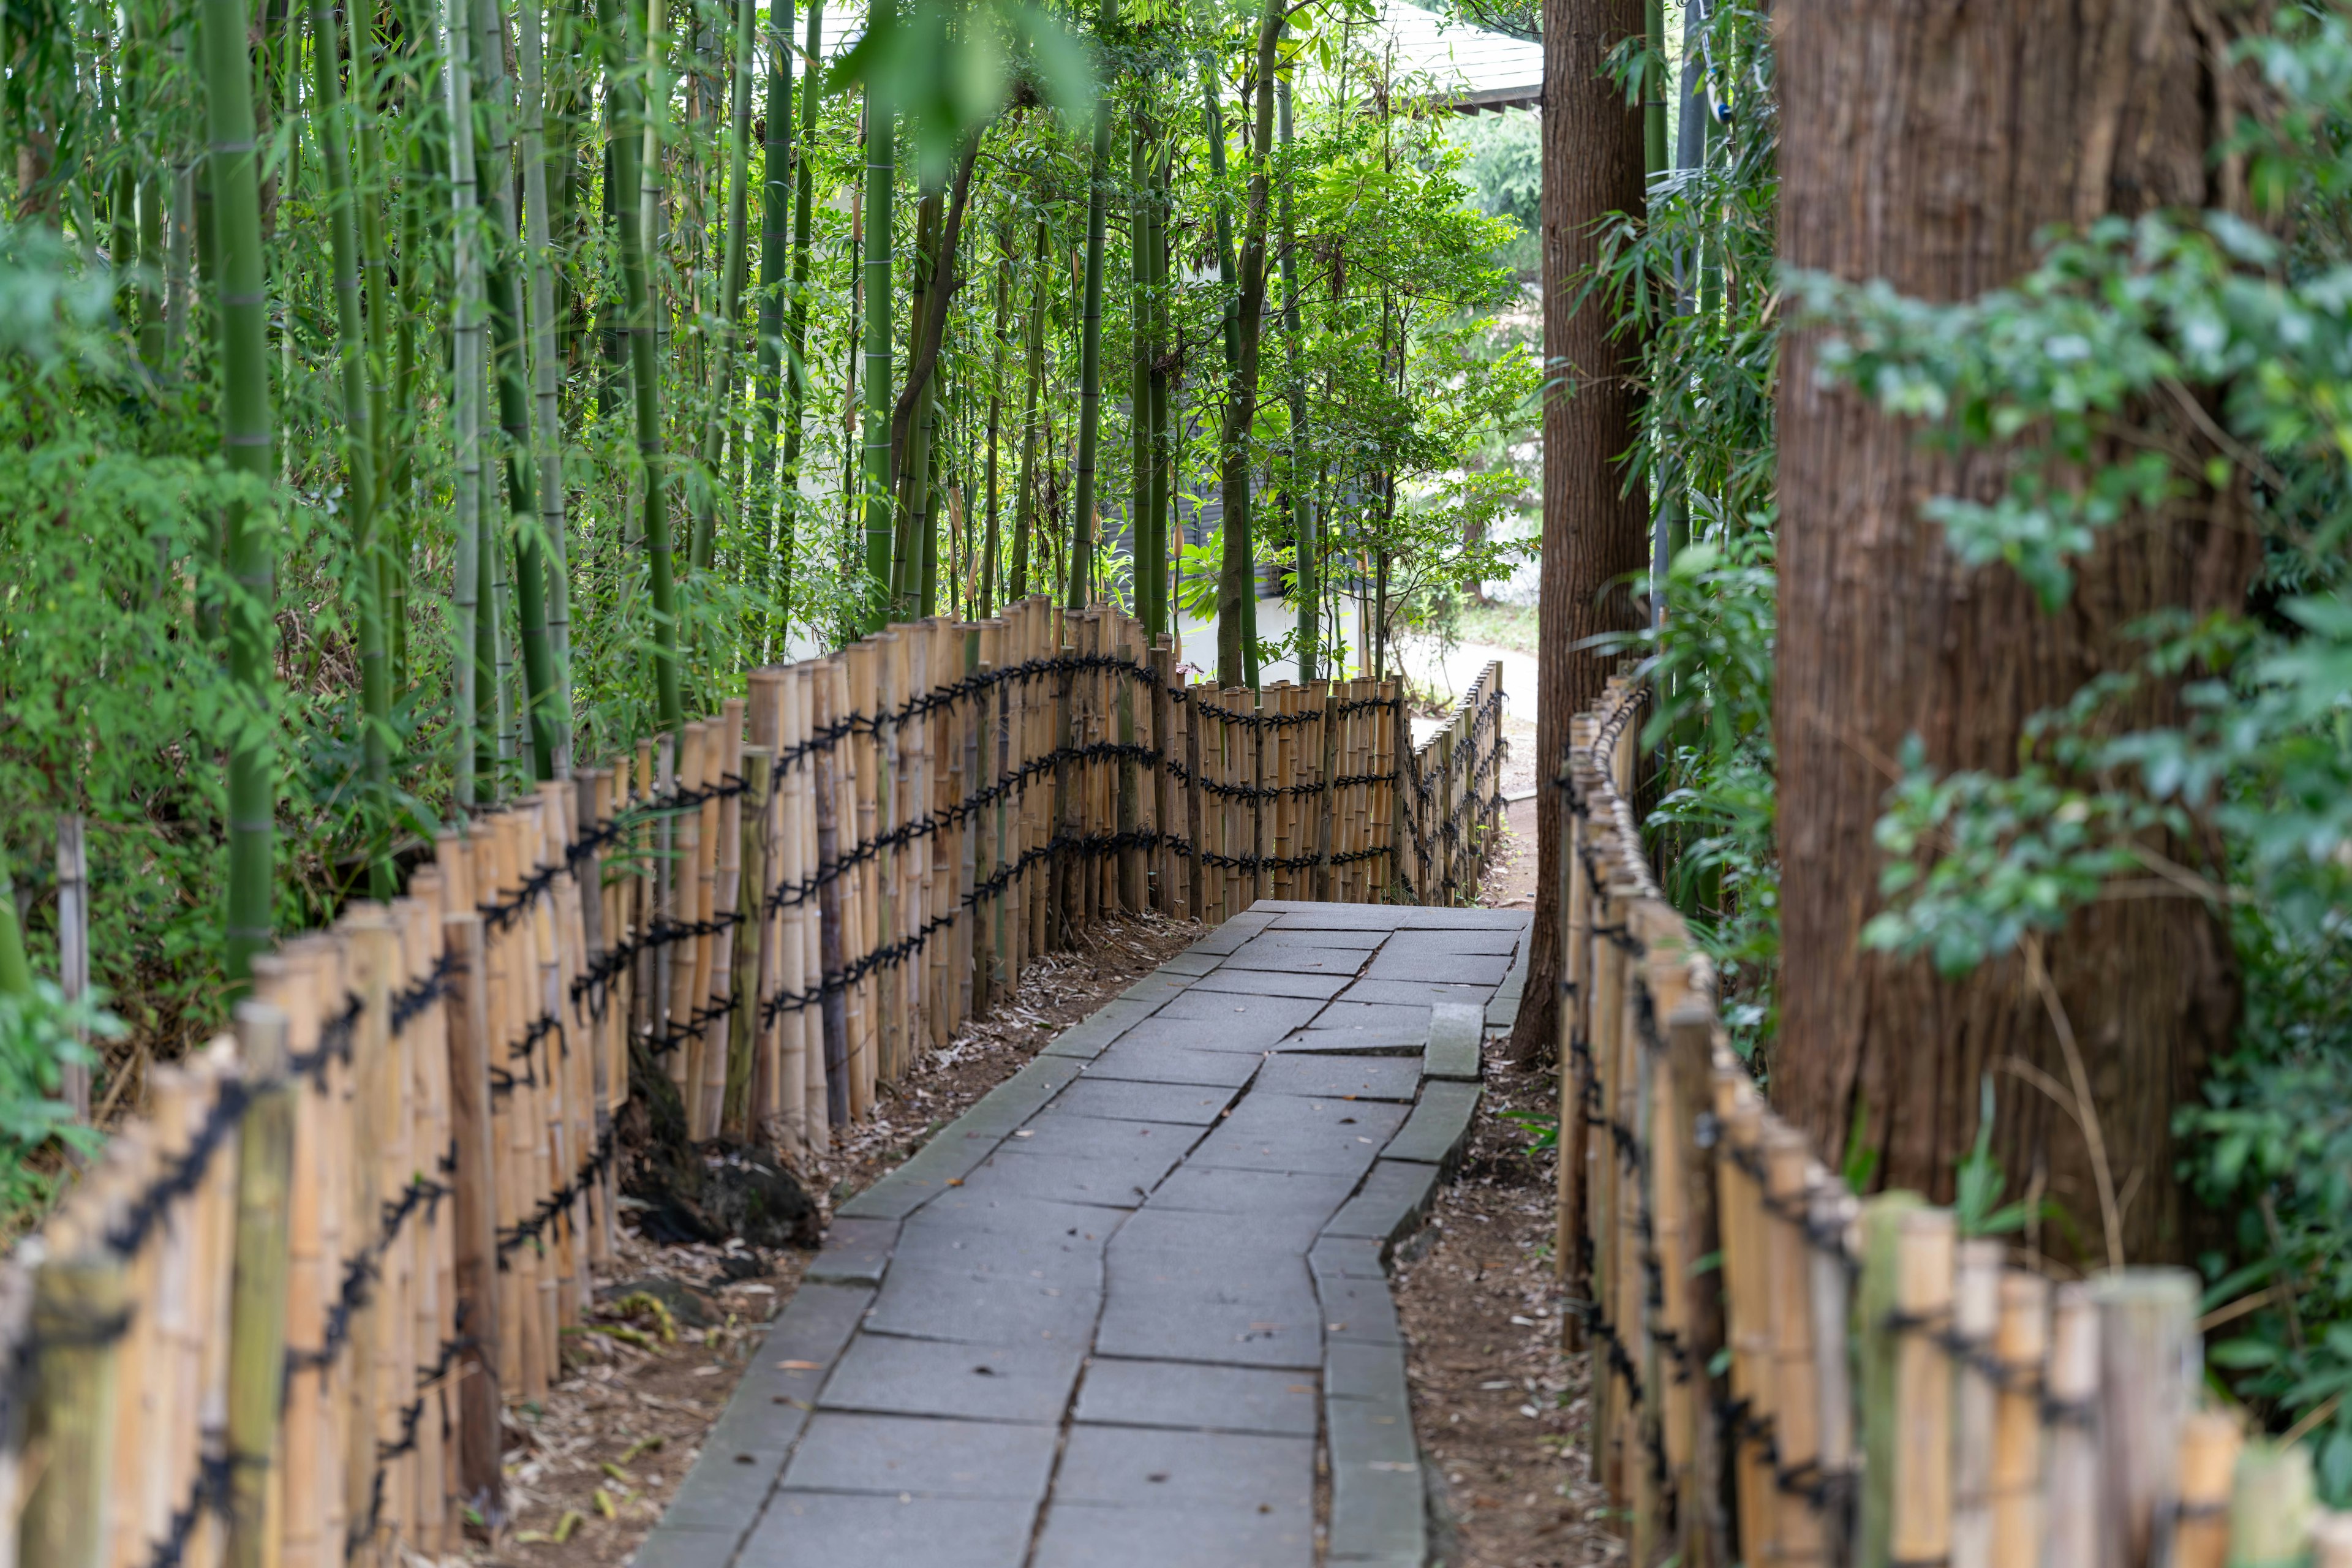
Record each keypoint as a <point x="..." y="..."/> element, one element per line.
<point x="1543" y="1129"/>
<point x="41" y="1033"/>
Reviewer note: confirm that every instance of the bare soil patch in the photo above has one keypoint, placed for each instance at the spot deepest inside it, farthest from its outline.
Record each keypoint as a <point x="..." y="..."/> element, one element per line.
<point x="590" y="1472"/>
<point x="1499" y="1409"/>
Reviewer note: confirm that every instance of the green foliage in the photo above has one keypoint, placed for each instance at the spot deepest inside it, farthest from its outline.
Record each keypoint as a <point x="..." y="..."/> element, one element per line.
<point x="40" y="1033"/>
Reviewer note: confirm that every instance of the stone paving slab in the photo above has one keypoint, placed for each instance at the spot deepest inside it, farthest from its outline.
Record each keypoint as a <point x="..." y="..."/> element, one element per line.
<point x="1125" y="1309"/>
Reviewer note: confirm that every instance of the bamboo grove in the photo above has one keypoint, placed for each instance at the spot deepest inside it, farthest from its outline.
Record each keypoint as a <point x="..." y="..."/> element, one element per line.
<point x="404" y="399"/>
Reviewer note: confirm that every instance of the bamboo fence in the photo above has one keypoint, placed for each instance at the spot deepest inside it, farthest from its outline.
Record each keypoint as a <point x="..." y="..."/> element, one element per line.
<point x="276" y="1321"/>
<point x="1785" y="1373"/>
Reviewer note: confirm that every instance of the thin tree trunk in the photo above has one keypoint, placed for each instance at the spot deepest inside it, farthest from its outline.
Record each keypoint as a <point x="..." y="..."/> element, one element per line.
<point x="245" y="437"/>
<point x="465" y="412"/>
<point x="1000" y="343"/>
<point x="1236" y="583"/>
<point x="1595" y="527"/>
<point x="1082" y="521"/>
<point x="1967" y="135"/>
<point x="881" y="179"/>
<point x="359" y="444"/>
<point x="775" y="241"/>
<point x="1159" y="620"/>
<point x="622" y="84"/>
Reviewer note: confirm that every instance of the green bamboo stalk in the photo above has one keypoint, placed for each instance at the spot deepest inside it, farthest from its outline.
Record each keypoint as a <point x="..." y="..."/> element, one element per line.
<point x="465" y="413"/>
<point x="359" y="443"/>
<point x="1000" y="343"/>
<point x="553" y="541"/>
<point x="246" y="440"/>
<point x="1026" y="505"/>
<point x="16" y="974"/>
<point x="881" y="178"/>
<point x="776" y="237"/>
<point x="738" y="194"/>
<point x="1302" y="506"/>
<point x="1160" y="621"/>
<point x="1139" y="337"/>
<point x="495" y="173"/>
<point x="624" y="86"/>
<point x="1082" y="520"/>
<point x="907" y="463"/>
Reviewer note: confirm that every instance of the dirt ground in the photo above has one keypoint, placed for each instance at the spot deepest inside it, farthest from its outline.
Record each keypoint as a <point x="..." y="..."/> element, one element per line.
<point x="590" y="1471"/>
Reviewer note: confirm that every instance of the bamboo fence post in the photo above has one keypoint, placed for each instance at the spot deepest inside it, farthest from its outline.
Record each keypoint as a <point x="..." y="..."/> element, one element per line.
<point x="877" y="816"/>
<point x="1197" y="904"/>
<point x="1705" y="1531"/>
<point x="737" y="1112"/>
<point x="374" y="1380"/>
<point x="1789" y="1176"/>
<point x="764" y="1116"/>
<point x="1878" y="1299"/>
<point x="868" y="777"/>
<point x="481" y="1332"/>
<point x="2209" y="1442"/>
<point x="972" y="862"/>
<point x="2272" y="1507"/>
<point x="682" y="907"/>
<point x="1920" y="1530"/>
<point x="2331" y="1541"/>
<point x="80" y="1314"/>
<point x="1131" y="895"/>
<point x="1975" y="1318"/>
<point x="783" y="973"/>
<point x="1833" y="1212"/>
<point x="2071" y="1473"/>
<point x="283" y="981"/>
<point x="1740" y="1209"/>
<point x="2147" y="1348"/>
<point x="2021" y="1341"/>
<point x="834" y="1003"/>
<point x="668" y="896"/>
<point x="726" y="858"/>
<point x="255" y="1371"/>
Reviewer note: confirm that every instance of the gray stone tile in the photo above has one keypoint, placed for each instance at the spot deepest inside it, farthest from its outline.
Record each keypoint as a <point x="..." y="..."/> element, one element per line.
<point x="1087" y="1036"/>
<point x="1315" y="986"/>
<point x="1106" y="1184"/>
<point x="1390" y="1205"/>
<point x="724" y="1490"/>
<point x="1178" y="1245"/>
<point x="1373" y="1016"/>
<point x="940" y="1303"/>
<point x="1190" y="962"/>
<point x="1276" y="958"/>
<point x="1357" y="1311"/>
<point x="1223" y="1007"/>
<point x="1363" y="1433"/>
<point x="1440" y="1125"/>
<point x="1455" y="1033"/>
<point x="1351" y="1257"/>
<point x="1439" y="917"/>
<point x="1412" y="993"/>
<point x="1344" y="917"/>
<point x="674" y="1546"/>
<point x="829" y="1530"/>
<point x="1197" y="1535"/>
<point x="1454" y="968"/>
<point x="884" y="1375"/>
<point x="962" y="1143"/>
<point x="1124" y="1099"/>
<point x="1278" y="1327"/>
<point x="1503" y="1011"/>
<point x="1236" y="930"/>
<point x="780" y="1382"/>
<point x="1290" y="1132"/>
<point x="992" y="1234"/>
<point x="1100" y="1138"/>
<point x="1362" y="940"/>
<point x="1229" y="1033"/>
<point x="1361" y="1039"/>
<point x="1378" y="1514"/>
<point x="922" y="1457"/>
<point x="1211" y="1398"/>
<point x="1173" y="1468"/>
<point x="1147" y="1063"/>
<point x="1493" y="941"/>
<point x="1339" y="1077"/>
<point x="856" y="1251"/>
<point x="1366" y="1375"/>
<point x="1266" y="1201"/>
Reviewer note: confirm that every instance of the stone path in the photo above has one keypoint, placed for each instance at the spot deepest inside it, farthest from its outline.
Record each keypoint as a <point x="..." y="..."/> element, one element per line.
<point x="1125" y="1312"/>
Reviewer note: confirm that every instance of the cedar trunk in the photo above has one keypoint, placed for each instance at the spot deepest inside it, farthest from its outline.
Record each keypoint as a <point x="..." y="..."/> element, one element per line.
<point x="1927" y="145"/>
<point x="1595" y="523"/>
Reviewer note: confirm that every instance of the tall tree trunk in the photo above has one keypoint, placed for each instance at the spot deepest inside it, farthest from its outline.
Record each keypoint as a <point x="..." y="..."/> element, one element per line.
<point x="474" y="673"/>
<point x="1082" y="521"/>
<point x="1236" y="583"/>
<point x="625" y="87"/>
<point x="1001" y="342"/>
<point x="1963" y="134"/>
<point x="1158" y="621"/>
<point x="1595" y="528"/>
<point x="359" y="443"/>
<point x="246" y="440"/>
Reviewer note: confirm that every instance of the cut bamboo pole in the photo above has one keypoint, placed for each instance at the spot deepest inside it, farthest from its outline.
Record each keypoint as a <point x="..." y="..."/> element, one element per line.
<point x="474" y="1219"/>
<point x="2071" y="1531"/>
<point x="1975" y="1318"/>
<point x="2020" y="1343"/>
<point x="259" y="1297"/>
<point x="1789" y="1176"/>
<point x="2272" y="1506"/>
<point x="2209" y="1443"/>
<point x="742" y="1023"/>
<point x="2149" y="1353"/>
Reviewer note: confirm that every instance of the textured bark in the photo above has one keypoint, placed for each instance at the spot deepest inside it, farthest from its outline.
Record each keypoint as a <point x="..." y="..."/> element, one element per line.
<point x="1595" y="528"/>
<point x="1927" y="143"/>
